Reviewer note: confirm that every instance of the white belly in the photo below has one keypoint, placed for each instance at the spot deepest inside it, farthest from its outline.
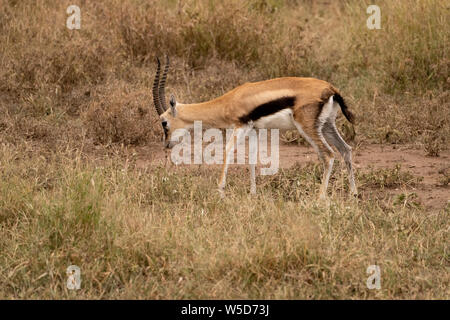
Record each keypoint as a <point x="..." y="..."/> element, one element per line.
<point x="280" y="120"/>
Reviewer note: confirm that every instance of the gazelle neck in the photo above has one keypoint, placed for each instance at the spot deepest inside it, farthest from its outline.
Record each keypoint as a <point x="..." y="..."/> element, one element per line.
<point x="210" y="113"/>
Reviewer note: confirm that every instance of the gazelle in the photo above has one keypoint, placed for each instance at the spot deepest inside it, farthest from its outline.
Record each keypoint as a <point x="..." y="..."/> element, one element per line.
<point x="306" y="104"/>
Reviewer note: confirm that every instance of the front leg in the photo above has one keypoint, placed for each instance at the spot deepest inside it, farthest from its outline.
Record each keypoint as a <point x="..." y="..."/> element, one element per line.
<point x="252" y="159"/>
<point x="238" y="133"/>
<point x="252" y="178"/>
<point x="228" y="153"/>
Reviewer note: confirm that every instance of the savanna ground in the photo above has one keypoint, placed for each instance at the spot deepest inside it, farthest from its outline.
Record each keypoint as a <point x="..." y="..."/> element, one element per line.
<point x="82" y="179"/>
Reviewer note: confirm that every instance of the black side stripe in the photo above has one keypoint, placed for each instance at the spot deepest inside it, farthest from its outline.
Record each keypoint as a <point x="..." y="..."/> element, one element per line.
<point x="268" y="108"/>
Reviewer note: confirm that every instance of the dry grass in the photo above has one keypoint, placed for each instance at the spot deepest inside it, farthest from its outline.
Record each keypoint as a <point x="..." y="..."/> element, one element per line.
<point x="47" y="69"/>
<point x="117" y="116"/>
<point x="74" y="104"/>
<point x="154" y="233"/>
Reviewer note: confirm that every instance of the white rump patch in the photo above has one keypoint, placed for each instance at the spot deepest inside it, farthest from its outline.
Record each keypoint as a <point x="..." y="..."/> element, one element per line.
<point x="329" y="111"/>
<point x="281" y="120"/>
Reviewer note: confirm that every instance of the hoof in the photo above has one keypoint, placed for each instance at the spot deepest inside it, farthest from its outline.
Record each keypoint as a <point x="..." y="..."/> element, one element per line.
<point x="221" y="193"/>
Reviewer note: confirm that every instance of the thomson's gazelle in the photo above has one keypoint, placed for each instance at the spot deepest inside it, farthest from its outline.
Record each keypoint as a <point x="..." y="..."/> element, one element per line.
<point x="306" y="104"/>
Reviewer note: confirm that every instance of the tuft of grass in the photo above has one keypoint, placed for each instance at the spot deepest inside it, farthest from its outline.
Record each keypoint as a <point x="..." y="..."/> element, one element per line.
<point x="388" y="178"/>
<point x="407" y="199"/>
<point x="445" y="178"/>
<point x="119" y="117"/>
<point x="296" y="182"/>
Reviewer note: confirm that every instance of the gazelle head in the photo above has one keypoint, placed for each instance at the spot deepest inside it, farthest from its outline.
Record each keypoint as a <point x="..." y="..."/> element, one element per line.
<point x="168" y="116"/>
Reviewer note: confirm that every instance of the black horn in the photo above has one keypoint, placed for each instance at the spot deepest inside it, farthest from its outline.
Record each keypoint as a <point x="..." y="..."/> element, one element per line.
<point x="162" y="86"/>
<point x="156" y="100"/>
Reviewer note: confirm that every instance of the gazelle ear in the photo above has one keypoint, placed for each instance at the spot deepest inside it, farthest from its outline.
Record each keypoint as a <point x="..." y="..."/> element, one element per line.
<point x="173" y="105"/>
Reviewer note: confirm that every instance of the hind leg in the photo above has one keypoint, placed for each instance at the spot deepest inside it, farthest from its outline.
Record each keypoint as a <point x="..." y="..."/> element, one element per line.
<point x="313" y="135"/>
<point x="327" y="161"/>
<point x="331" y="134"/>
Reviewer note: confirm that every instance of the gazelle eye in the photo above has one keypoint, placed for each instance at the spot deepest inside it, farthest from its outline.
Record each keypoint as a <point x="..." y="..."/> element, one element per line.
<point x="164" y="124"/>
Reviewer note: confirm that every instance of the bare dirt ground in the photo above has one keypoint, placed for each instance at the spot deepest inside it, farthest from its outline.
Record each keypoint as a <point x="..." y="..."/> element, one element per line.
<point x="430" y="191"/>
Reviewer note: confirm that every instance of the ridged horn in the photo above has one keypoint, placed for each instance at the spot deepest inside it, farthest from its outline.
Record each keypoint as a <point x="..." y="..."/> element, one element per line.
<point x="156" y="100"/>
<point x="162" y="86"/>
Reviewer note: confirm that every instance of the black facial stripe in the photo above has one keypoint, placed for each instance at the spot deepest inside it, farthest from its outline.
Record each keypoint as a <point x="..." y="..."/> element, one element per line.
<point x="165" y="129"/>
<point x="268" y="108"/>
